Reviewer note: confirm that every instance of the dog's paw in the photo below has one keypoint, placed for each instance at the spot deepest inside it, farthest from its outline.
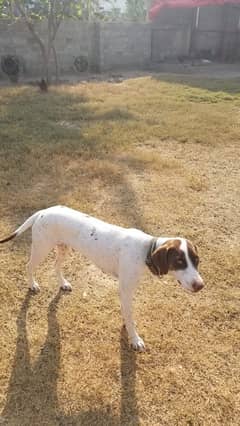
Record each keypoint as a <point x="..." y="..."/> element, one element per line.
<point x="66" y="286"/>
<point x="137" y="344"/>
<point x="35" y="287"/>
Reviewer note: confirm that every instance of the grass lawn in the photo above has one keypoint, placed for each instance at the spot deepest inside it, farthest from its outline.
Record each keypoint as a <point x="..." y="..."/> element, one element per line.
<point x="159" y="153"/>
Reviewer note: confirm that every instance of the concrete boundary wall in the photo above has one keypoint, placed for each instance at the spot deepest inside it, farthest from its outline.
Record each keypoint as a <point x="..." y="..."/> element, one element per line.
<point x="116" y="46"/>
<point x="107" y="46"/>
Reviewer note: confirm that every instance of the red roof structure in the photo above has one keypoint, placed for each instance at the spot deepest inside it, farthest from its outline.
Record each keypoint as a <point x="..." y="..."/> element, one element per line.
<point x="160" y="4"/>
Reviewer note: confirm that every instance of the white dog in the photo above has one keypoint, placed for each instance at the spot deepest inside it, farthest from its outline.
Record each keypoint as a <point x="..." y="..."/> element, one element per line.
<point x="121" y="252"/>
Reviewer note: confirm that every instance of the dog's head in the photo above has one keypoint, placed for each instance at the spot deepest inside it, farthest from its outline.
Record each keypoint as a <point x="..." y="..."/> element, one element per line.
<point x="179" y="258"/>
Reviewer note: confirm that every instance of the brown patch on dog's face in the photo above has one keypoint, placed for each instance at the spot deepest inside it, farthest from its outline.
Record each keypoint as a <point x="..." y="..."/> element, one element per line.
<point x="193" y="255"/>
<point x="179" y="257"/>
<point x="169" y="257"/>
<point x="176" y="257"/>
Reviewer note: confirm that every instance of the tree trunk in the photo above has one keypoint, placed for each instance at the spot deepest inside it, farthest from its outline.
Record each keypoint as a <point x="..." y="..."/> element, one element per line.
<point x="48" y="48"/>
<point x="45" y="64"/>
<point x="56" y="64"/>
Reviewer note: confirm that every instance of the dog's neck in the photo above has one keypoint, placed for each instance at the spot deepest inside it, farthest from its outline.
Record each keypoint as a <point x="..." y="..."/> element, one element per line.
<point x="162" y="240"/>
<point x="149" y="262"/>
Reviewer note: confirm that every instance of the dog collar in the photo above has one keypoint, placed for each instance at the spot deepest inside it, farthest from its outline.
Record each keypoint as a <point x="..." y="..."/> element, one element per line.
<point x="149" y="261"/>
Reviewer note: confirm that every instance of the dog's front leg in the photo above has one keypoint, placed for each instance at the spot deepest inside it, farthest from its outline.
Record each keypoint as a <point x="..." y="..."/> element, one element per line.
<point x="126" y="290"/>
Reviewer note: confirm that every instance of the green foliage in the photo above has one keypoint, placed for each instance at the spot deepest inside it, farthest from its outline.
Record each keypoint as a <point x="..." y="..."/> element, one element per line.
<point x="113" y="13"/>
<point x="89" y="8"/>
<point x="136" y="10"/>
<point x="40" y="9"/>
<point x="4" y="9"/>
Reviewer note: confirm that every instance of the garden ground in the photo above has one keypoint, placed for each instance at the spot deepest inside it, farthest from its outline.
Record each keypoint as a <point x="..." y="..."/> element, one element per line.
<point x="160" y="153"/>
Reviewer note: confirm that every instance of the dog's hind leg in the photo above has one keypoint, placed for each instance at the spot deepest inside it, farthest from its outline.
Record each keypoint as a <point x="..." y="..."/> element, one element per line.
<point x="61" y="253"/>
<point x="38" y="253"/>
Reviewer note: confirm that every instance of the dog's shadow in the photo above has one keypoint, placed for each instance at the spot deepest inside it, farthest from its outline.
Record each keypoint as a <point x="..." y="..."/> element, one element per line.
<point x="33" y="388"/>
<point x="32" y="391"/>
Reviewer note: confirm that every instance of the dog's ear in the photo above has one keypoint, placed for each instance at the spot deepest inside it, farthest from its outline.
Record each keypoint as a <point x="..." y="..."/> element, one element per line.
<point x="160" y="259"/>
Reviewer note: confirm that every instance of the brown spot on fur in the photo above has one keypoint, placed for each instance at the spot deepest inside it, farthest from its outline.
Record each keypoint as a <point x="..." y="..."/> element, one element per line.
<point x="192" y="252"/>
<point x="176" y="257"/>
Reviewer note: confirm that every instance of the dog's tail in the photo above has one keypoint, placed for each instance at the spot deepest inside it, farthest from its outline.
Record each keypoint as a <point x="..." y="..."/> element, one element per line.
<point x="27" y="224"/>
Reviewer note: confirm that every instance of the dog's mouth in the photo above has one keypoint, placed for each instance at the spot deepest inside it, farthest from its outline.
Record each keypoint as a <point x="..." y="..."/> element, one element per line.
<point x="188" y="290"/>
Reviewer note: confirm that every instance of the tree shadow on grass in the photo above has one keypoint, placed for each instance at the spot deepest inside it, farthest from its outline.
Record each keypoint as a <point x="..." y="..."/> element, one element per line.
<point x="32" y="392"/>
<point x="46" y="136"/>
<point x="215" y="85"/>
<point x="37" y="173"/>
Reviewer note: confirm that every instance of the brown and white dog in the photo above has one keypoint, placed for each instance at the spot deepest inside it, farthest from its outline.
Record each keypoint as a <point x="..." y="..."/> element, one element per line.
<point x="121" y="252"/>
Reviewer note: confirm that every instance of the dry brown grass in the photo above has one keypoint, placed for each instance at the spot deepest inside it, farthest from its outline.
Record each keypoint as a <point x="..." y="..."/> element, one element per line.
<point x="160" y="154"/>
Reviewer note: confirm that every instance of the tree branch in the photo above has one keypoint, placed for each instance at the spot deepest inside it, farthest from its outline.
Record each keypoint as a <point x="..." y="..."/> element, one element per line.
<point x="29" y="24"/>
<point x="59" y="20"/>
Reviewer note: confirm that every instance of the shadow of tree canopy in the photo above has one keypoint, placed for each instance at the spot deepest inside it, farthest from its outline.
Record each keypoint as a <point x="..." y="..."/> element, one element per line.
<point x="43" y="143"/>
<point x="211" y="84"/>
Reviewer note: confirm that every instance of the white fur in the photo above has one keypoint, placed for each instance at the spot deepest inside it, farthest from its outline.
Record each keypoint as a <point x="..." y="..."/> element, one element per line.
<point x="115" y="250"/>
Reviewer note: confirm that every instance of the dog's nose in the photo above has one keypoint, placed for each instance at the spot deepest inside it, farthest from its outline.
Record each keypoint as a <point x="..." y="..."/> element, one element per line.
<point x="197" y="285"/>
